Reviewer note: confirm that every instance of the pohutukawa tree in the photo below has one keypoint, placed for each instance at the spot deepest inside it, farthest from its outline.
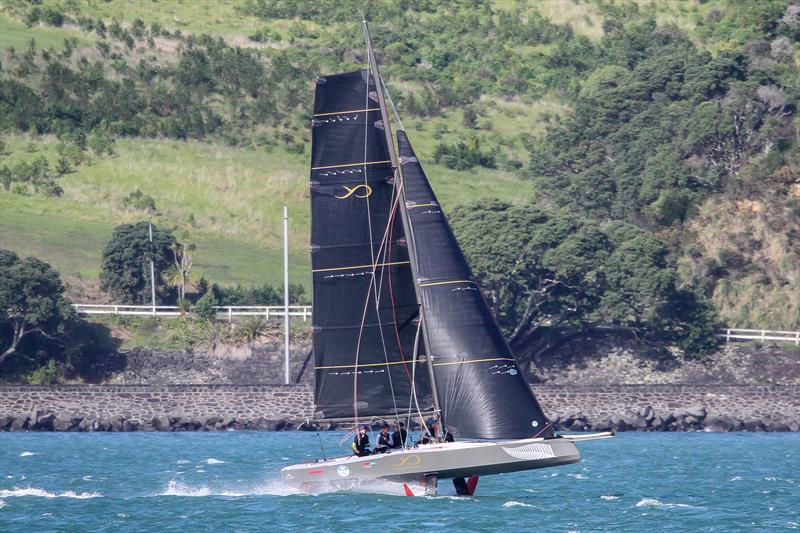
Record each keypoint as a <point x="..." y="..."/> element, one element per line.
<point x="32" y="302"/>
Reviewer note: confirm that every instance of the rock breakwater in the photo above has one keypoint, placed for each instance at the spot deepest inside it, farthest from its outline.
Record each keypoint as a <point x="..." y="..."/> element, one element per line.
<point x="277" y="407"/>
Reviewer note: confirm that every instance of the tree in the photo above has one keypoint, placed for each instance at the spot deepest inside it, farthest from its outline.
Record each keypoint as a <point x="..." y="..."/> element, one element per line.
<point x="204" y="308"/>
<point x="32" y="301"/>
<point x="551" y="275"/>
<point x="125" y="272"/>
<point x="182" y="262"/>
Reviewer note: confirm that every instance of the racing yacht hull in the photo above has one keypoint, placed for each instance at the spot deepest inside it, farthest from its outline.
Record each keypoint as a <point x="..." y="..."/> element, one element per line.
<point x="431" y="462"/>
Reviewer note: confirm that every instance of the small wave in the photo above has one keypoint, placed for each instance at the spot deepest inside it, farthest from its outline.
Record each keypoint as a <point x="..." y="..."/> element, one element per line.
<point x="609" y="497"/>
<point x="28" y="454"/>
<point x="578" y="476"/>
<point x="2" y="504"/>
<point x="183" y="462"/>
<point x="514" y="503"/>
<point x="213" y="461"/>
<point x="277" y="487"/>
<point x="654" y="502"/>
<point x="87" y="478"/>
<point x="735" y="478"/>
<point x="41" y="493"/>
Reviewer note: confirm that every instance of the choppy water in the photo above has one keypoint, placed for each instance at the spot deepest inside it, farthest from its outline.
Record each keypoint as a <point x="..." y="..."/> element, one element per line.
<point x="228" y="481"/>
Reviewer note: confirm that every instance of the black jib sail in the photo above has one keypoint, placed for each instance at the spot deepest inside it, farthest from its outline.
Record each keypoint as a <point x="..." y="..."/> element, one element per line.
<point x="481" y="390"/>
<point x="365" y="308"/>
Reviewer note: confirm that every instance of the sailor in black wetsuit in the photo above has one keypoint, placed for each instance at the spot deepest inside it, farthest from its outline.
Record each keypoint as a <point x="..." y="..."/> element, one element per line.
<point x="361" y="442"/>
<point x="384" y="440"/>
<point x="399" y="436"/>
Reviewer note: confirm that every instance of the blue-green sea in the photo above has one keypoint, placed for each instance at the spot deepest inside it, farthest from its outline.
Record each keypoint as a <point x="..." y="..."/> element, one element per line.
<point x="228" y="482"/>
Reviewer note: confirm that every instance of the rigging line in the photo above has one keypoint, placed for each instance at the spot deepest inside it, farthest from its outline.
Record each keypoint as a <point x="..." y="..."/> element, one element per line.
<point x="385" y="244"/>
<point x="413" y="397"/>
<point x="396" y="114"/>
<point x="392" y="219"/>
<point x="372" y="256"/>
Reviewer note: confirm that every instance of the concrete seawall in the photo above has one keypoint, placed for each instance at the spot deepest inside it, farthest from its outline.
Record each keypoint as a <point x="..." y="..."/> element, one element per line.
<point x="219" y="407"/>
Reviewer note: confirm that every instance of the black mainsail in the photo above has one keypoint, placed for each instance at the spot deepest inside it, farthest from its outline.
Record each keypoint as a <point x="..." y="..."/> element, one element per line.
<point x="481" y="391"/>
<point x="365" y="308"/>
<point x="385" y="263"/>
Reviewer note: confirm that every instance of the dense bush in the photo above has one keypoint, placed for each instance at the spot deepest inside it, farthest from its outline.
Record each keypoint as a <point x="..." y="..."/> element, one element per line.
<point x="548" y="274"/>
<point x="125" y="271"/>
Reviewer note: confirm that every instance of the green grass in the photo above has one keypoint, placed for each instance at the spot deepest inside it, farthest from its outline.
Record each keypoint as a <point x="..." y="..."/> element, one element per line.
<point x="30" y="226"/>
<point x="15" y="34"/>
<point x="235" y="195"/>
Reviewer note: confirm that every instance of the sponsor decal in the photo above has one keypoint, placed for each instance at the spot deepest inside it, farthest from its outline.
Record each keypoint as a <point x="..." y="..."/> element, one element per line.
<point x="530" y="452"/>
<point x="350" y="191"/>
<point x="408" y="460"/>
<point x="369" y="464"/>
<point x="318" y="471"/>
<point x="343" y="471"/>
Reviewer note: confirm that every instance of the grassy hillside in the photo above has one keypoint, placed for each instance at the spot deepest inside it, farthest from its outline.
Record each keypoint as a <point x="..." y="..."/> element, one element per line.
<point x="220" y="157"/>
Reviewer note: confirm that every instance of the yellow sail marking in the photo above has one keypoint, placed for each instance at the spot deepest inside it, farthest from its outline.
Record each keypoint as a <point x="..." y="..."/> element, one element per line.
<point x="351" y="165"/>
<point x="446" y="282"/>
<point x="362" y="266"/>
<point x="366" y="364"/>
<point x="476" y="361"/>
<point x="348" y="111"/>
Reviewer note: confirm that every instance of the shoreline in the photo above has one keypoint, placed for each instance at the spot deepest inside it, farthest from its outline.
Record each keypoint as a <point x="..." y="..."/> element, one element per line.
<point x="87" y="408"/>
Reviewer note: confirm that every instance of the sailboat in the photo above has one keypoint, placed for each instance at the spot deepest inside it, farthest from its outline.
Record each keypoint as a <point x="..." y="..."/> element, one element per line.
<point x="401" y="329"/>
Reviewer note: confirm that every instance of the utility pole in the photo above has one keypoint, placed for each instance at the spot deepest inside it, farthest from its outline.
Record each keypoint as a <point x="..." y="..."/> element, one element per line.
<point x="286" y="291"/>
<point x="152" y="267"/>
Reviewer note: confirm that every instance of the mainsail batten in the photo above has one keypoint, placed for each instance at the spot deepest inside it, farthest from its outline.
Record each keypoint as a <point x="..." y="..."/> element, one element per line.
<point x="363" y="295"/>
<point x="482" y="392"/>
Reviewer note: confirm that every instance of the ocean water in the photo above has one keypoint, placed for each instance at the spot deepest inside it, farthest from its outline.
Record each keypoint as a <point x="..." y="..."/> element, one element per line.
<point x="229" y="482"/>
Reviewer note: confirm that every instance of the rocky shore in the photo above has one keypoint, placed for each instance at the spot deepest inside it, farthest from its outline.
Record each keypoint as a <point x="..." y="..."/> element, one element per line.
<point x="119" y="408"/>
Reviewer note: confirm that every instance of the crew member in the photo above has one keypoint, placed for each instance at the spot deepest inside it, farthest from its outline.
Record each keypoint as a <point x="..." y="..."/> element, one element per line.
<point x="427" y="435"/>
<point x="384" y="440"/>
<point x="399" y="436"/>
<point x="437" y="433"/>
<point x="361" y="442"/>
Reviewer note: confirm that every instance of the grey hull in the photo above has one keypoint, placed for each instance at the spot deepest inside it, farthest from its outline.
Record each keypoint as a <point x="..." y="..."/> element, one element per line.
<point x="445" y="460"/>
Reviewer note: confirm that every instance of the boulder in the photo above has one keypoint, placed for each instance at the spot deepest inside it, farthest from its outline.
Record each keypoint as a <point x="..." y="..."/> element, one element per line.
<point x="649" y="414"/>
<point x="62" y="423"/>
<point x="130" y="425"/>
<point x="86" y="425"/>
<point x="602" y="424"/>
<point x="5" y="422"/>
<point x="116" y="423"/>
<point x="753" y="426"/>
<point x="777" y="426"/>
<point x="20" y="423"/>
<point x="162" y="423"/>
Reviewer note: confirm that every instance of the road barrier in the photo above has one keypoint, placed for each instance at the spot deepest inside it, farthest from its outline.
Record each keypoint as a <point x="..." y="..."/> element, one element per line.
<point x="228" y="312"/>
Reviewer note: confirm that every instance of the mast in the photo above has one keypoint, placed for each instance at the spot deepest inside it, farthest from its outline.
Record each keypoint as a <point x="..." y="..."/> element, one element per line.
<point x="387" y="130"/>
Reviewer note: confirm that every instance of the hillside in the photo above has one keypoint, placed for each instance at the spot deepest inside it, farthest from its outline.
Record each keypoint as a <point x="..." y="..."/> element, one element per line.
<point x="205" y="111"/>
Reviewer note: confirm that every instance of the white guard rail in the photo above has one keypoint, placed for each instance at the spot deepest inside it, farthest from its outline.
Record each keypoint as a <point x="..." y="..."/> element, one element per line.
<point x="228" y="312"/>
<point x="734" y="334"/>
